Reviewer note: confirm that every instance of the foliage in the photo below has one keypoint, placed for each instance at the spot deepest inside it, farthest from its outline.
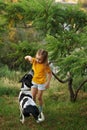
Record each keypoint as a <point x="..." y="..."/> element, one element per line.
<point x="4" y="71"/>
<point x="2" y="6"/>
<point x="54" y="19"/>
<point x="2" y="20"/>
<point x="41" y="22"/>
<point x="14" y="57"/>
<point x="14" y="14"/>
<point x="9" y="74"/>
<point x="70" y="55"/>
<point x="62" y="27"/>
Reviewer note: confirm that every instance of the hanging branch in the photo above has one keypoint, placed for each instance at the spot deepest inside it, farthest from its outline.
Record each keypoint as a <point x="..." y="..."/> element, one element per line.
<point x="81" y="85"/>
<point x="60" y="79"/>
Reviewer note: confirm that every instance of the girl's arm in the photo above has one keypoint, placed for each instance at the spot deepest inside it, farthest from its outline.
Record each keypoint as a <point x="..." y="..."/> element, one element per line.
<point x="48" y="79"/>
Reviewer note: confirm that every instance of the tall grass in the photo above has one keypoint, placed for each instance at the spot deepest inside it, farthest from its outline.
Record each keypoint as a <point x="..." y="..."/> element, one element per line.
<point x="9" y="81"/>
<point x="7" y="73"/>
<point x="8" y="90"/>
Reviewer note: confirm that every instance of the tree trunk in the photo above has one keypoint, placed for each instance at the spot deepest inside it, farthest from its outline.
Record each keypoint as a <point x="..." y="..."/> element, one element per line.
<point x="69" y="80"/>
<point x="71" y="89"/>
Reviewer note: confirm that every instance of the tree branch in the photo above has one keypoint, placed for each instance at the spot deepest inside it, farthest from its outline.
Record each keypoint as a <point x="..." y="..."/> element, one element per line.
<point x="62" y="81"/>
<point x="81" y="85"/>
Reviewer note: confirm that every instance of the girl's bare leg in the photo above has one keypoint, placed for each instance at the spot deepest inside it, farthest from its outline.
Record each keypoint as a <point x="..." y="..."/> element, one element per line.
<point x="40" y="99"/>
<point x="34" y="93"/>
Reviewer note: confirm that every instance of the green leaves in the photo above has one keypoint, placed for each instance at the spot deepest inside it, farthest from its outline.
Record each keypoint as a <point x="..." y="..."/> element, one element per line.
<point x="67" y="42"/>
<point x="14" y="57"/>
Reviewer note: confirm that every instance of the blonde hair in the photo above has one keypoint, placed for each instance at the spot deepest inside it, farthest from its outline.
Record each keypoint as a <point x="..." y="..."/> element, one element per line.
<point x="44" y="54"/>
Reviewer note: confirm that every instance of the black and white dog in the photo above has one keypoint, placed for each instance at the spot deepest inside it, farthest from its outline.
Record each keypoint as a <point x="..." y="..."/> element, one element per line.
<point x="27" y="105"/>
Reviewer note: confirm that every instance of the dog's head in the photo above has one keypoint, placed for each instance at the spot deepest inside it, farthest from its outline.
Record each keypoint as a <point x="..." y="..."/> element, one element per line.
<point x="26" y="80"/>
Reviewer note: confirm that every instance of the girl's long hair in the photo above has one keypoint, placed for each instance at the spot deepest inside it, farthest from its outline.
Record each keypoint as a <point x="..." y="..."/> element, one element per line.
<point x="44" y="54"/>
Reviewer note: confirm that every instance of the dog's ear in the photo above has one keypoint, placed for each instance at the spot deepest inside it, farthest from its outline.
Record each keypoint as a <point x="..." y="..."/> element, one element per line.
<point x="31" y="72"/>
<point x="28" y="80"/>
<point x="23" y="78"/>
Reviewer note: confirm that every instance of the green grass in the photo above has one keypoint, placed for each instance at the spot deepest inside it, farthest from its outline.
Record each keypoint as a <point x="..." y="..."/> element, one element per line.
<point x="60" y="113"/>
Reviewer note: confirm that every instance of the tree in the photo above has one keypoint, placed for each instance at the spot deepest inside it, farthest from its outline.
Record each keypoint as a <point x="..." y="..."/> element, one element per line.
<point x="68" y="46"/>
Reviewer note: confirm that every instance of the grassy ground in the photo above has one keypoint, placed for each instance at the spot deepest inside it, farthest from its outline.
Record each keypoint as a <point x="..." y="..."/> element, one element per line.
<point x="60" y="113"/>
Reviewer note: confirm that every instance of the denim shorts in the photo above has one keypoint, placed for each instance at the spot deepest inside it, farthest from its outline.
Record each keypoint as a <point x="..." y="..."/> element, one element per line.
<point x="38" y="86"/>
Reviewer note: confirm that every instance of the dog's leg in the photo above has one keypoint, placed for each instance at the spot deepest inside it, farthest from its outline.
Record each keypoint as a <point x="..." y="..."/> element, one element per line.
<point x="41" y="118"/>
<point x="20" y="112"/>
<point x="21" y="116"/>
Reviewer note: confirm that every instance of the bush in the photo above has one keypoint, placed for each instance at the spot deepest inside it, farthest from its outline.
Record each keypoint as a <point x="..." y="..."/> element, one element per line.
<point x="14" y="57"/>
<point x="7" y="73"/>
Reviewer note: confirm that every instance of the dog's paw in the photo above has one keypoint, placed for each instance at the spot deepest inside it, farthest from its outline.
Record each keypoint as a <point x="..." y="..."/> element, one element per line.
<point x="22" y="121"/>
<point x="41" y="118"/>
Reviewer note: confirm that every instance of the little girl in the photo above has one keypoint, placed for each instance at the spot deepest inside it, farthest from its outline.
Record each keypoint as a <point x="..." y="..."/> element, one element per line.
<point x="42" y="75"/>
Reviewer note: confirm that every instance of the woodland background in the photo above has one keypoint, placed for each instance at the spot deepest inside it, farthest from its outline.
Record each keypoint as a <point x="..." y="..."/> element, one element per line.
<point x="61" y="29"/>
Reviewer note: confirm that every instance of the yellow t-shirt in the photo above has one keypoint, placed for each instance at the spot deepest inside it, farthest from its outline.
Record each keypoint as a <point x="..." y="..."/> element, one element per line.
<point x="40" y="72"/>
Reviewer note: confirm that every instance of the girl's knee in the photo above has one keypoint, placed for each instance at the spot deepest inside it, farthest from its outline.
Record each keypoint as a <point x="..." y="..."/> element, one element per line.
<point x="34" y="98"/>
<point x="39" y="98"/>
